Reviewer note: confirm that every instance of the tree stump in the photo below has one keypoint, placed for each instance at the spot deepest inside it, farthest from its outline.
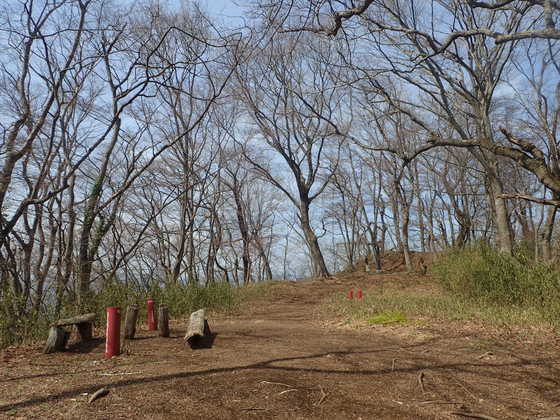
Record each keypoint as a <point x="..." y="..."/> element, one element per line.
<point x="58" y="337"/>
<point x="163" y="321"/>
<point x="198" y="328"/>
<point x="130" y="321"/>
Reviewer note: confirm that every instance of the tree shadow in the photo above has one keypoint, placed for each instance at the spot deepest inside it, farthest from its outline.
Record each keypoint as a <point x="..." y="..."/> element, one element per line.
<point x="422" y="364"/>
<point x="85" y="346"/>
<point x="140" y="338"/>
<point x="204" y="342"/>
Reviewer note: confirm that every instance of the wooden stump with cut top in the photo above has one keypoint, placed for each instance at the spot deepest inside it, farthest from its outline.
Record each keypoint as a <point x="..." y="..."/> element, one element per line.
<point x="130" y="322"/>
<point x="163" y="321"/>
<point x="198" y="330"/>
<point x="58" y="336"/>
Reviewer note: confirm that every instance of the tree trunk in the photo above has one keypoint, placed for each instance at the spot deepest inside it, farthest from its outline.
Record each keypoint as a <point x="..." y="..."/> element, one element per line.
<point x="501" y="217"/>
<point x="163" y="321"/>
<point x="265" y="259"/>
<point x="244" y="230"/>
<point x="58" y="337"/>
<point x="319" y="266"/>
<point x="405" y="240"/>
<point x="548" y="231"/>
<point x="130" y="321"/>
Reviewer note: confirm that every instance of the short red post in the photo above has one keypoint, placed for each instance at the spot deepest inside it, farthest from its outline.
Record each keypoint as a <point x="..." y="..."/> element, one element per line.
<point x="151" y="315"/>
<point x="360" y="294"/>
<point x="113" y="333"/>
<point x="351" y="294"/>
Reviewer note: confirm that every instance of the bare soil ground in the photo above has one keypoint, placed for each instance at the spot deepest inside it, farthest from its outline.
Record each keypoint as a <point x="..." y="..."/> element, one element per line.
<point x="281" y="357"/>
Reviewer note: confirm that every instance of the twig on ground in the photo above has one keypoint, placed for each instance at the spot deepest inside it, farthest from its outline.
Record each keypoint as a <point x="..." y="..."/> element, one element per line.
<point x="466" y="389"/>
<point x="473" y="415"/>
<point x="98" y="394"/>
<point x="323" y="396"/>
<point x="254" y="409"/>
<point x="421" y="381"/>
<point x="287" y="390"/>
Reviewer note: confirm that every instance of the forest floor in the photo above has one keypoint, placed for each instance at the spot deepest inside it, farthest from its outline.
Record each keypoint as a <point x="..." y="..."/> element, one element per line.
<point x="284" y="357"/>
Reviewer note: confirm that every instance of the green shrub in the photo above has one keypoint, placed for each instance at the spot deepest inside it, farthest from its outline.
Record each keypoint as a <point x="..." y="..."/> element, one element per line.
<point x="15" y="322"/>
<point x="474" y="284"/>
<point x="483" y="273"/>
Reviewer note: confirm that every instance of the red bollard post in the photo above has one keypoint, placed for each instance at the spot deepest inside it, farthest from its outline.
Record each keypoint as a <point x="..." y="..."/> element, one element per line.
<point x="351" y="294"/>
<point x="151" y="315"/>
<point x="360" y="294"/>
<point x="113" y="332"/>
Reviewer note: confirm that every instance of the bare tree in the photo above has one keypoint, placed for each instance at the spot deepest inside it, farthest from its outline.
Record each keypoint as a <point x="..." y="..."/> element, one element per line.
<point x="283" y="92"/>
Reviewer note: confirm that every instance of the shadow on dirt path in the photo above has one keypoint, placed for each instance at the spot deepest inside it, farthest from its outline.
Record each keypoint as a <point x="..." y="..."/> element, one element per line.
<point x="278" y="359"/>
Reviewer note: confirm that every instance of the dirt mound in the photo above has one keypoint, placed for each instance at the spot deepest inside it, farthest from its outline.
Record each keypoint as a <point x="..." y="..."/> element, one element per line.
<point x="393" y="262"/>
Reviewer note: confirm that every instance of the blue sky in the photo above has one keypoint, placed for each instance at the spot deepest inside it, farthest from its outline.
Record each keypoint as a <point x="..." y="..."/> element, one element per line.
<point x="226" y="11"/>
<point x="225" y="8"/>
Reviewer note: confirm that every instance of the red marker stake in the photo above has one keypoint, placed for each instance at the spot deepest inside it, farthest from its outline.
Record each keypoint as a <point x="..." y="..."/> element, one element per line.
<point x="151" y="315"/>
<point x="113" y="333"/>
<point x="351" y="294"/>
<point x="360" y="293"/>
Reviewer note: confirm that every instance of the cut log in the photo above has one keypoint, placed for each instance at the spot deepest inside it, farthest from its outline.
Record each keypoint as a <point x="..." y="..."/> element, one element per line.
<point x="58" y="337"/>
<point x="130" y="321"/>
<point x="163" y="321"/>
<point x="198" y="328"/>
<point x="98" y="394"/>
<point x="74" y="320"/>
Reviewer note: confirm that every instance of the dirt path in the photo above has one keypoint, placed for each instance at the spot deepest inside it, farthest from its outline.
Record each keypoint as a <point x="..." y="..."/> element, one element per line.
<point x="280" y="360"/>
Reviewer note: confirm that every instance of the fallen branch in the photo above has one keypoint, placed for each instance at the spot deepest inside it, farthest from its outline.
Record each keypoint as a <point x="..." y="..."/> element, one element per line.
<point x="421" y="381"/>
<point x="287" y="390"/>
<point x="98" y="394"/>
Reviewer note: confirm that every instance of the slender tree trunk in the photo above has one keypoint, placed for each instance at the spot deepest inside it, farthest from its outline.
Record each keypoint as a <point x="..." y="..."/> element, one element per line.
<point x="319" y="266"/>
<point x="549" y="230"/>
<point x="244" y="230"/>
<point x="501" y="217"/>
<point x="266" y="262"/>
<point x="405" y="239"/>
